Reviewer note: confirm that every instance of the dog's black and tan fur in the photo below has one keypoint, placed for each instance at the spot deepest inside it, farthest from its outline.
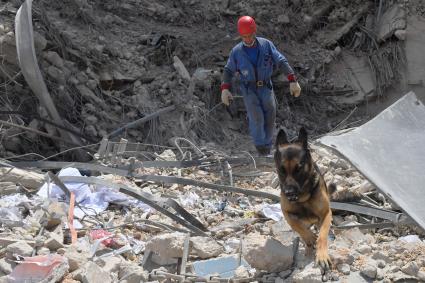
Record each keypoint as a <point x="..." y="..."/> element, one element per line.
<point x="304" y="194"/>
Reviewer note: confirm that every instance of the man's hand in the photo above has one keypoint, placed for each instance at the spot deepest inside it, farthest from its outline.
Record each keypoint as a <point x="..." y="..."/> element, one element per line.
<point x="226" y="96"/>
<point x="294" y="88"/>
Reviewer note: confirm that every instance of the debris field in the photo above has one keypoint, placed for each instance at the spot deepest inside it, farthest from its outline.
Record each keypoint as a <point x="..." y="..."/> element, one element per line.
<point x="120" y="164"/>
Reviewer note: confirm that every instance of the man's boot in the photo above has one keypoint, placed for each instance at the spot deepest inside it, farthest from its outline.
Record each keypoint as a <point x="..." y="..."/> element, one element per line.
<point x="260" y="149"/>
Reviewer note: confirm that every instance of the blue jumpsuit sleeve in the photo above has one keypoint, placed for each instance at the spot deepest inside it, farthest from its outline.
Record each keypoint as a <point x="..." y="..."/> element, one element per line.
<point x="280" y="60"/>
<point x="230" y="68"/>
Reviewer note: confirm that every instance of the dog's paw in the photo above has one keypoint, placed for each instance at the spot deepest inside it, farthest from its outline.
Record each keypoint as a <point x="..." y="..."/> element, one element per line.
<point x="310" y="240"/>
<point x="323" y="261"/>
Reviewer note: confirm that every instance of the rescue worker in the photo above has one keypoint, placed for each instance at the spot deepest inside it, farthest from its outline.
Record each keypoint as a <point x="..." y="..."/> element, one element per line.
<point x="254" y="59"/>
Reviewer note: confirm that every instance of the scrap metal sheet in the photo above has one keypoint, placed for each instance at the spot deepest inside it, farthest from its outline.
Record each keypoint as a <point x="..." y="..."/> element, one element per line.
<point x="389" y="150"/>
<point x="29" y="66"/>
<point x="28" y="59"/>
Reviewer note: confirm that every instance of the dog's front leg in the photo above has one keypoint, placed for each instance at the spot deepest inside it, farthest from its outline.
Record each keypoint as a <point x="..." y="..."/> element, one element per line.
<point x="299" y="226"/>
<point x="322" y="256"/>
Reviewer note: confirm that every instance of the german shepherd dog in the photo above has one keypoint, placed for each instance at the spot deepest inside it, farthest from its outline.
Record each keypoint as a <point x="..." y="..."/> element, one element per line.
<point x="304" y="196"/>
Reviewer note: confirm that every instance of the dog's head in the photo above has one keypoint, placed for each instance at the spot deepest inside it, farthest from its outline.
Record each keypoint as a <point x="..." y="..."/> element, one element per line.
<point x="293" y="164"/>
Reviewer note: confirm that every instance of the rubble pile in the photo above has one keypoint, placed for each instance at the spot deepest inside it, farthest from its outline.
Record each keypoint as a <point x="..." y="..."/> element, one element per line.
<point x="119" y="238"/>
<point x="108" y="64"/>
<point x="162" y="184"/>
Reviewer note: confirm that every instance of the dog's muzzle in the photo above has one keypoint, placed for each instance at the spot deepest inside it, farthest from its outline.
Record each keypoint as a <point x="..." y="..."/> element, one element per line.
<point x="291" y="197"/>
<point x="291" y="193"/>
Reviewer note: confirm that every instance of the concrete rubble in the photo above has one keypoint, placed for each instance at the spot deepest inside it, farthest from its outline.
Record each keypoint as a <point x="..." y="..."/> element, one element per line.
<point x="111" y="221"/>
<point x="126" y="70"/>
<point x="275" y="256"/>
<point x="268" y="247"/>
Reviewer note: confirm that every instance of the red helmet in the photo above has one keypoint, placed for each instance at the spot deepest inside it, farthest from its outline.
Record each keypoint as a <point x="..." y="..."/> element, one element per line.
<point x="246" y="25"/>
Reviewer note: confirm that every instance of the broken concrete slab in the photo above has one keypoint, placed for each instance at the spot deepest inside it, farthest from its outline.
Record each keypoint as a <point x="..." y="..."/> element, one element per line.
<point x="361" y="76"/>
<point x="337" y="35"/>
<point x="8" y="49"/>
<point x="56" y="74"/>
<point x="54" y="242"/>
<point x="76" y="258"/>
<point x="56" y="213"/>
<point x="110" y="264"/>
<point x="6" y="266"/>
<point x="168" y="245"/>
<point x="57" y="273"/>
<point x="378" y="141"/>
<point x="354" y="73"/>
<point x="401" y="277"/>
<point x="310" y="274"/>
<point x="133" y="273"/>
<point x="91" y="96"/>
<point x="400" y="34"/>
<point x="341" y="256"/>
<point x="19" y="248"/>
<point x="415" y="40"/>
<point x="28" y="179"/>
<point x="266" y="253"/>
<point x="355" y="277"/>
<point x="393" y="19"/>
<point x="8" y="241"/>
<point x="40" y="42"/>
<point x="411" y="268"/>
<point x="282" y="231"/>
<point x="317" y="16"/>
<point x="91" y="272"/>
<point x="162" y="261"/>
<point x="180" y="68"/>
<point x="8" y="188"/>
<point x="355" y="236"/>
<point x="241" y="272"/>
<point x="54" y="59"/>
<point x="43" y="251"/>
<point x="205" y="248"/>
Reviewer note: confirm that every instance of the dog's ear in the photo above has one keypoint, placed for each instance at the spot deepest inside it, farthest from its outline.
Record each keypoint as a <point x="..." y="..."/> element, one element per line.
<point x="302" y="137"/>
<point x="281" y="138"/>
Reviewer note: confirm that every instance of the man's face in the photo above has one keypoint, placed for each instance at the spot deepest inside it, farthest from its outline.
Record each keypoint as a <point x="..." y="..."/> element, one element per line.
<point x="248" y="39"/>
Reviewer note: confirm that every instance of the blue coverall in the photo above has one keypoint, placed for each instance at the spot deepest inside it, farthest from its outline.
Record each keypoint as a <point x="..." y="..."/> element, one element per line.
<point x="256" y="86"/>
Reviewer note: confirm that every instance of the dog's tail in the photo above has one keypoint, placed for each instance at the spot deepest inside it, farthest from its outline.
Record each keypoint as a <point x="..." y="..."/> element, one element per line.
<point x="344" y="195"/>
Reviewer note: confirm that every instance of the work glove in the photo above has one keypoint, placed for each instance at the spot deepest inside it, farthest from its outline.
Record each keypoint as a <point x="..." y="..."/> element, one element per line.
<point x="295" y="89"/>
<point x="226" y="96"/>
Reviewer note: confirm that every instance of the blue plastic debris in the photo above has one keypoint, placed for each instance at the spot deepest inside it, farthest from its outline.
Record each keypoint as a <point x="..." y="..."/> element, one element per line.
<point x="223" y="267"/>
